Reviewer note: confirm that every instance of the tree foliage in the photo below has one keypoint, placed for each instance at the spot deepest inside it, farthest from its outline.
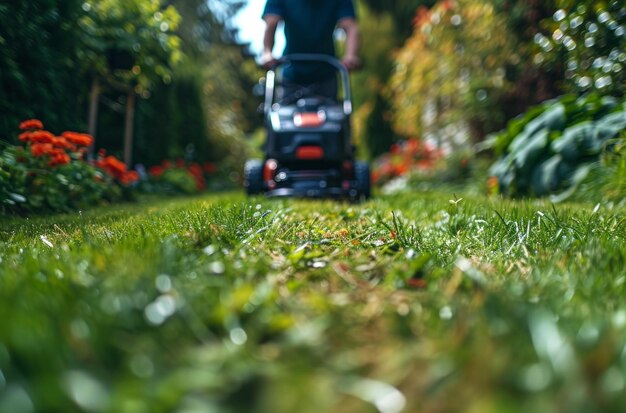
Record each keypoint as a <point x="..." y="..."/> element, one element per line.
<point x="213" y="117"/>
<point x="401" y="12"/>
<point x="452" y="69"/>
<point x="590" y="37"/>
<point x="130" y="41"/>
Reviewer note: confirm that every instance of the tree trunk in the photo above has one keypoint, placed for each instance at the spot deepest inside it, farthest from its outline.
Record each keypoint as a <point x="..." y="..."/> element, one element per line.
<point x="93" y="111"/>
<point x="128" y="131"/>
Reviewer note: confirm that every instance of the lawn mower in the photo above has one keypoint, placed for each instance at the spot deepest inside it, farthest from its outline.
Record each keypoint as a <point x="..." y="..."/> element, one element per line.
<point x="308" y="150"/>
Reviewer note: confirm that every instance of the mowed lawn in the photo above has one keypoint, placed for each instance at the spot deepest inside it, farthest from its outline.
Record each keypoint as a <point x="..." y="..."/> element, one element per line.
<point x="422" y="302"/>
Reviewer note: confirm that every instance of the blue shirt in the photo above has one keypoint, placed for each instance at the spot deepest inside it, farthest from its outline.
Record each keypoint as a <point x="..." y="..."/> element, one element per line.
<point x="309" y="28"/>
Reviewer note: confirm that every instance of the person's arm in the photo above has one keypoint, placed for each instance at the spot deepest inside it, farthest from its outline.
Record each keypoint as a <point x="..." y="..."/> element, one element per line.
<point x="271" y="23"/>
<point x="351" y="57"/>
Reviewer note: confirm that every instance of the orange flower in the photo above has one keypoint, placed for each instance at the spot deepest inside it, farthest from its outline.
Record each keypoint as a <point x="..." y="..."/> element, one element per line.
<point x="79" y="139"/>
<point x="42" y="136"/>
<point x="25" y="137"/>
<point x="31" y="124"/>
<point x="61" y="142"/>
<point x="112" y="166"/>
<point x="59" y="158"/>
<point x="401" y="169"/>
<point x="115" y="165"/>
<point x="493" y="185"/>
<point x="129" y="177"/>
<point x="40" y="149"/>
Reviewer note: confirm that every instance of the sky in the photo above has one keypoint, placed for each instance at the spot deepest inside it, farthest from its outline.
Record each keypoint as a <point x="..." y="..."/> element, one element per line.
<point x="251" y="27"/>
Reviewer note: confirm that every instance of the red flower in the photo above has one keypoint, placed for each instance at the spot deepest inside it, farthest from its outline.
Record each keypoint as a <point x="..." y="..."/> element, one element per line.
<point x="61" y="142"/>
<point x="180" y="163"/>
<point x="195" y="170"/>
<point x="41" y="149"/>
<point x="59" y="158"/>
<point x="112" y="166"/>
<point x="79" y="139"/>
<point x="25" y="137"/>
<point x="156" y="171"/>
<point x="129" y="177"/>
<point x="31" y="124"/>
<point x="41" y="136"/>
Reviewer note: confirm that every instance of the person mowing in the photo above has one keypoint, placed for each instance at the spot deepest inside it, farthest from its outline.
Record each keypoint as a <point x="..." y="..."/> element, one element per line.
<point x="309" y="29"/>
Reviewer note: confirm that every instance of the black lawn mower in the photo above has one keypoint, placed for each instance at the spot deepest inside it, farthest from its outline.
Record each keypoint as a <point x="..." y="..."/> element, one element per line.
<point x="308" y="150"/>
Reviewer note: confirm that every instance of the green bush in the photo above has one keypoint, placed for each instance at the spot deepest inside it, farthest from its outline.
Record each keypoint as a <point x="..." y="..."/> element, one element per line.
<point x="552" y="148"/>
<point x="48" y="173"/>
<point x="173" y="181"/>
<point x="607" y="179"/>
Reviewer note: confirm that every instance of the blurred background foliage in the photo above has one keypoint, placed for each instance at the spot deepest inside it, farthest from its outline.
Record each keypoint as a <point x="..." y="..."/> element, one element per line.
<point x="177" y="57"/>
<point x="449" y="72"/>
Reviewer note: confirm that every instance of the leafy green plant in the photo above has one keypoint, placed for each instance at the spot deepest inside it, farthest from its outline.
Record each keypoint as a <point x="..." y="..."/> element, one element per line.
<point x="607" y="178"/>
<point x="552" y="147"/>
<point x="178" y="177"/>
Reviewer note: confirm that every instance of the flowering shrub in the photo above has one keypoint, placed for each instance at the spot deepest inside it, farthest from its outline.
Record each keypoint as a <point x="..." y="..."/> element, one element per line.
<point x="179" y="177"/>
<point x="404" y="157"/>
<point x="116" y="169"/>
<point x="48" y="173"/>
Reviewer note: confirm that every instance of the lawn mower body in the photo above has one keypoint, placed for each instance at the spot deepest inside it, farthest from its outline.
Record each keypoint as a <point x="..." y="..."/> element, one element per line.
<point x="308" y="149"/>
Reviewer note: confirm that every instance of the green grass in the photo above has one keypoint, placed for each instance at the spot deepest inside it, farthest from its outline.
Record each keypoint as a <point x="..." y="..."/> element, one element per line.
<point x="425" y="302"/>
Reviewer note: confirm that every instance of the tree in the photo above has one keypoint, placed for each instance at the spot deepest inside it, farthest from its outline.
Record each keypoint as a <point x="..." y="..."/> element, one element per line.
<point x="451" y="72"/>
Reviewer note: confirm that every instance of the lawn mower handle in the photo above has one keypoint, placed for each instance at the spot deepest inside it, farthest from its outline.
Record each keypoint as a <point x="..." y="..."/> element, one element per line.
<point x="332" y="61"/>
